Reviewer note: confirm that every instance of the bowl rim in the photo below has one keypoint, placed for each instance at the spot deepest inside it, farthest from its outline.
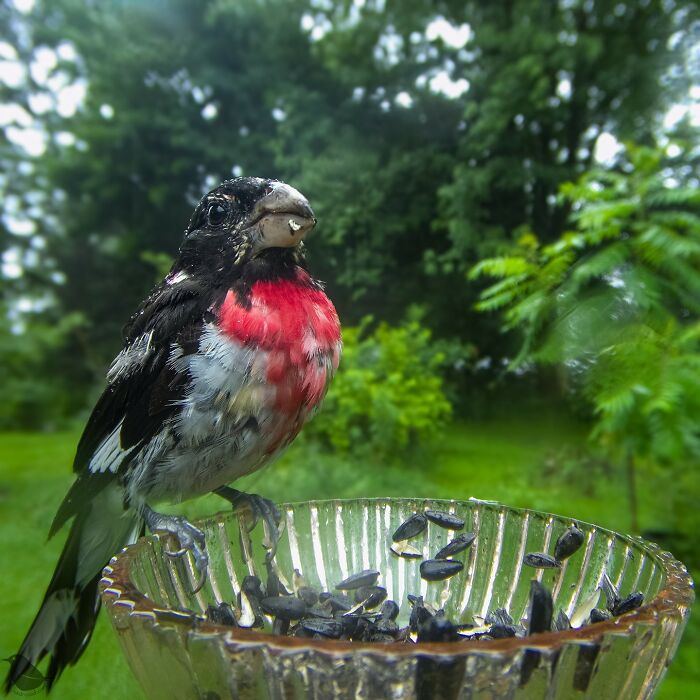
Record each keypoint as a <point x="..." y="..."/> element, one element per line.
<point x="673" y="600"/>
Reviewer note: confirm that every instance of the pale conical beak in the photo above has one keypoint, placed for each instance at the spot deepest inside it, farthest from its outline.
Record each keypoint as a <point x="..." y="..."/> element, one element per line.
<point x="281" y="218"/>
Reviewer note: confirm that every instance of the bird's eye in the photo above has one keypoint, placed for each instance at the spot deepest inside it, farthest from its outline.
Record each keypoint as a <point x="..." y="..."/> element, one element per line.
<point x="216" y="214"/>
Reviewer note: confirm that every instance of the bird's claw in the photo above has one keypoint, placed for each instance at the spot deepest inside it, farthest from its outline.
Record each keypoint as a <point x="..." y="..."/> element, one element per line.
<point x="191" y="540"/>
<point x="259" y="508"/>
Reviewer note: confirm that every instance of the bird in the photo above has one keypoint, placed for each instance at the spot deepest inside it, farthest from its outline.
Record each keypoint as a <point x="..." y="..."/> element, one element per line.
<point x="221" y="365"/>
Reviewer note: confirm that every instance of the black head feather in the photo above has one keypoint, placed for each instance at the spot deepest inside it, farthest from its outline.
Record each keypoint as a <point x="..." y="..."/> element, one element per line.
<point x="241" y="220"/>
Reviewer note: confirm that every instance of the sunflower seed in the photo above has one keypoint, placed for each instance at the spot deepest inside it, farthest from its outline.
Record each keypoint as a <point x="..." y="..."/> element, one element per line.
<point x="457" y="545"/>
<point x="540" y="560"/>
<point x="410" y="528"/>
<point x="252" y="585"/>
<point x="326" y="628"/>
<point x="385" y="626"/>
<point x="284" y="607"/>
<point x="540" y="617"/>
<point x="368" y="577"/>
<point x="419" y="614"/>
<point x="598" y="615"/>
<point x="499" y="616"/>
<point x="308" y="595"/>
<point x="389" y="610"/>
<point x="437" y="629"/>
<point x="337" y="601"/>
<point x="502" y="631"/>
<point x="569" y="542"/>
<point x="631" y="602"/>
<point x="221" y="614"/>
<point x="439" y="569"/>
<point x="612" y="595"/>
<point x="562" y="622"/>
<point x="370" y="596"/>
<point x="444" y="519"/>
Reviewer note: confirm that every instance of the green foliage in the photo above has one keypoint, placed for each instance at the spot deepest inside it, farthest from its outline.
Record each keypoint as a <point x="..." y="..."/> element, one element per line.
<point x="645" y="387"/>
<point x="388" y="393"/>
<point x="341" y="99"/>
<point x="36" y="394"/>
<point x="547" y="80"/>
<point x="616" y="300"/>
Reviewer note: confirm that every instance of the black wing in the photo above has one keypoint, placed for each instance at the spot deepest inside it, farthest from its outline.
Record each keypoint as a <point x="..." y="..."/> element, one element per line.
<point x="144" y="392"/>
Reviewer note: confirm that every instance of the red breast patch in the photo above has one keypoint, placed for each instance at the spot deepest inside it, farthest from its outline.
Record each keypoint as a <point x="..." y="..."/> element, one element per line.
<point x="296" y="326"/>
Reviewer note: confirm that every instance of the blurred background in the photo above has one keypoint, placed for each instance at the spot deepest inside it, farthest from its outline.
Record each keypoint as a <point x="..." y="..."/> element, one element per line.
<point x="509" y="225"/>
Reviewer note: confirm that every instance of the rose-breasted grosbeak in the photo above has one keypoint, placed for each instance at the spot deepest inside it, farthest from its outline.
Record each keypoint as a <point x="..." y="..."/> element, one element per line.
<point x="221" y="366"/>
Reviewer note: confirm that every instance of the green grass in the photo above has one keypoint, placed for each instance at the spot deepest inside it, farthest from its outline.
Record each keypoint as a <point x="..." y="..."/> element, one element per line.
<point x="499" y="459"/>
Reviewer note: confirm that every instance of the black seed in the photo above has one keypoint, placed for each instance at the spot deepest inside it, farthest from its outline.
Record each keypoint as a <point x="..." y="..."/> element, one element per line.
<point x="326" y="628"/>
<point x="389" y="610"/>
<point x="371" y="596"/>
<point x="419" y="614"/>
<point x="540" y="560"/>
<point x="364" y="578"/>
<point x="631" y="602"/>
<point x="349" y="623"/>
<point x="585" y="666"/>
<point x="252" y="586"/>
<point x="562" y="622"/>
<point x="410" y="528"/>
<point x="274" y="586"/>
<point x="308" y="595"/>
<point x="502" y="631"/>
<point x="611" y="593"/>
<point x="540" y="618"/>
<point x="363" y="630"/>
<point x="457" y="545"/>
<point x="339" y="602"/>
<point x="254" y="604"/>
<point x="386" y="626"/>
<point x="404" y="636"/>
<point x="321" y="610"/>
<point x="280" y="626"/>
<point x="499" y="616"/>
<point x="221" y="614"/>
<point x="413" y="599"/>
<point x="598" y="615"/>
<point x="447" y="520"/>
<point x="284" y="607"/>
<point x="439" y="569"/>
<point x="437" y="629"/>
<point x="568" y="543"/>
<point x="381" y="638"/>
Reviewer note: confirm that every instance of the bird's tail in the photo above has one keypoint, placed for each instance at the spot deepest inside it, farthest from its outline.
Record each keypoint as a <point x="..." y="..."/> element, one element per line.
<point x="66" y="618"/>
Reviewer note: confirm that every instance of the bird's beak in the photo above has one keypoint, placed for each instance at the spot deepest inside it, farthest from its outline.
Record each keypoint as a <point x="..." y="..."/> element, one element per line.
<point x="281" y="218"/>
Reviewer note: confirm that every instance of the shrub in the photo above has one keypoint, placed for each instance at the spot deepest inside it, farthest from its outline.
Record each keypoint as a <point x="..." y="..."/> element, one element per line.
<point x="388" y="394"/>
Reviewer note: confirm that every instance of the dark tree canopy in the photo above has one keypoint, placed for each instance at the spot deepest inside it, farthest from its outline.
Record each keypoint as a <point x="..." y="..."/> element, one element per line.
<point x="349" y="104"/>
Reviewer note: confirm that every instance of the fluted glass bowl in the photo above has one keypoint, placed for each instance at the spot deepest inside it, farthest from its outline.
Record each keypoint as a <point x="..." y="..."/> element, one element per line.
<point x="176" y="653"/>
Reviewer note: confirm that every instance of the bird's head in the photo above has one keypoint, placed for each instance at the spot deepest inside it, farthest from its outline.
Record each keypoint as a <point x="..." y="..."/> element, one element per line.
<point x="242" y="220"/>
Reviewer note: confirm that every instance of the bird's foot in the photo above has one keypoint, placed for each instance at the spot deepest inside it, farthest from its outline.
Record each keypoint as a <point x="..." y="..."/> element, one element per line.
<point x="191" y="540"/>
<point x="259" y="508"/>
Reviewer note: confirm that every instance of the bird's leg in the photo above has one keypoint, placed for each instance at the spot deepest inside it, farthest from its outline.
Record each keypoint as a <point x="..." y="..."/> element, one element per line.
<point x="258" y="507"/>
<point x="191" y="539"/>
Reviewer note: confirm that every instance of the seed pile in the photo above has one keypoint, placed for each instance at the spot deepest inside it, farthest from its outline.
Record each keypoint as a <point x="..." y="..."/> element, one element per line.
<point x="358" y="609"/>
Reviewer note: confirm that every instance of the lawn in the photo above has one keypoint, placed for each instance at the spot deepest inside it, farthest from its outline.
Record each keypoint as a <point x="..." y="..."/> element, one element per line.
<point x="501" y="459"/>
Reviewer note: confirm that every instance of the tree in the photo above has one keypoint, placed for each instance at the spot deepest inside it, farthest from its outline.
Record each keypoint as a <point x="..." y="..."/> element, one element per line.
<point x="364" y="108"/>
<point x="616" y="301"/>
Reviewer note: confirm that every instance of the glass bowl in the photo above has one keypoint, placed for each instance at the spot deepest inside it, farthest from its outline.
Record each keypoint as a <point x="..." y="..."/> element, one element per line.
<point x="175" y="652"/>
